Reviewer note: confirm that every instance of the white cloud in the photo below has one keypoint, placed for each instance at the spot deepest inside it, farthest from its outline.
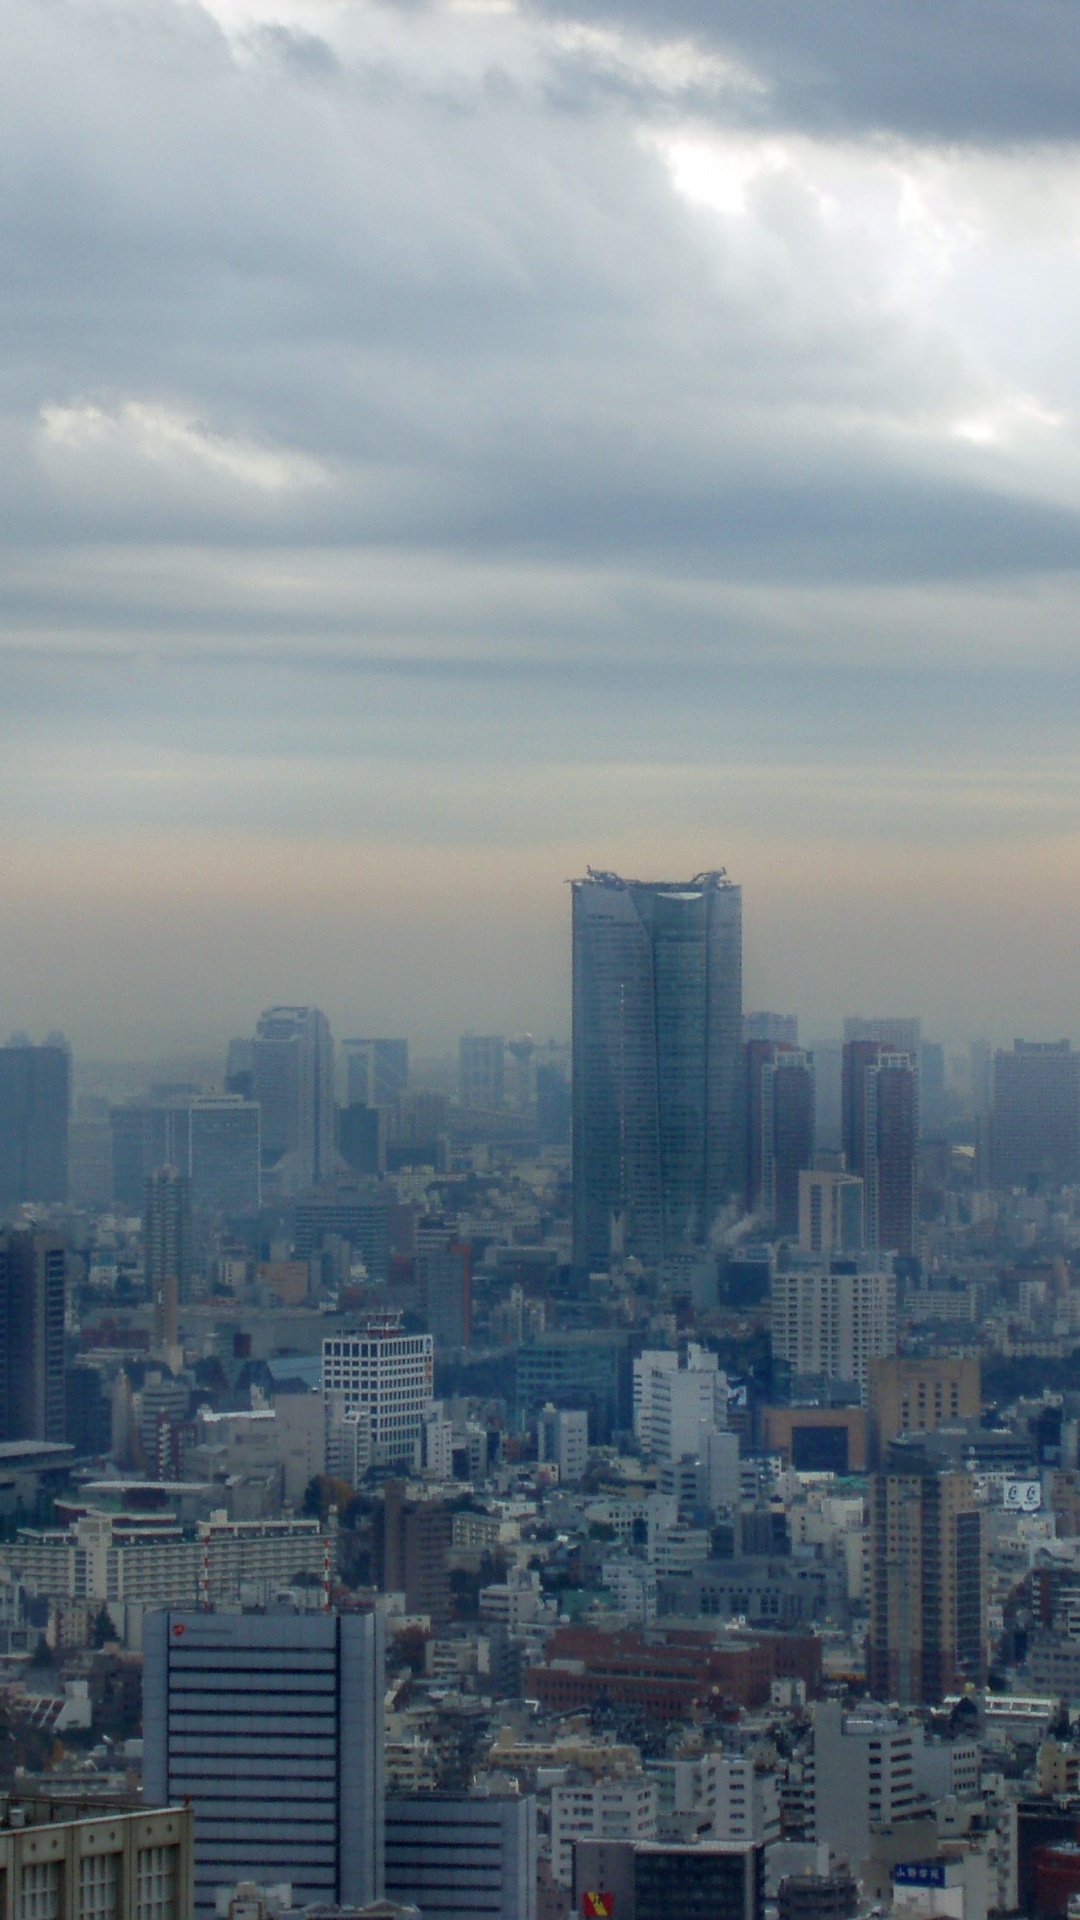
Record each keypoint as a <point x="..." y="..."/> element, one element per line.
<point x="153" y="435"/>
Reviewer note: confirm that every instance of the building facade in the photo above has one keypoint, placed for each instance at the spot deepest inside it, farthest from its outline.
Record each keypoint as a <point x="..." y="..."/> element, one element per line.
<point x="35" y="1096"/>
<point x="1035" y="1124"/>
<point x="293" y="1083"/>
<point x="271" y="1727"/>
<point x="97" y="1864"/>
<point x="831" y="1321"/>
<point x="657" y="1064"/>
<point x="927" y="1584"/>
<point x="391" y="1375"/>
<point x="32" y="1399"/>
<point x="462" y="1856"/>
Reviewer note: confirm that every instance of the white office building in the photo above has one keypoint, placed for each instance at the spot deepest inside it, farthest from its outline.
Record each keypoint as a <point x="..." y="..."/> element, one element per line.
<point x="390" y="1374"/>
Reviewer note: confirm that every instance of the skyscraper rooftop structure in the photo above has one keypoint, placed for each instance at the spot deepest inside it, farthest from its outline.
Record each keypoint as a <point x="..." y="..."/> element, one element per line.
<point x="657" y="1059"/>
<point x="293" y="1082"/>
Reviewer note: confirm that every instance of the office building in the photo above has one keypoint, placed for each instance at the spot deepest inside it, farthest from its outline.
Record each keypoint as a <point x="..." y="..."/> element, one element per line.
<point x="87" y="1860"/>
<point x="376" y="1071"/>
<point x="881" y="1140"/>
<point x="293" y="1073"/>
<point x="920" y="1395"/>
<point x="167" y="1249"/>
<point x="562" y="1435"/>
<point x="832" y="1320"/>
<point x="462" y="1856"/>
<point x="604" y="1809"/>
<point x="830" y="1212"/>
<point x="590" y="1370"/>
<point x="35" y="1097"/>
<point x="213" y="1140"/>
<point x="482" y="1071"/>
<point x="271" y="1727"/>
<point x="657" y="1064"/>
<point x="779" y="1131"/>
<point x="32" y="1399"/>
<point x="1035" y="1124"/>
<point x="138" y="1146"/>
<point x="927" y="1582"/>
<point x="357" y="1213"/>
<point x="712" y="1880"/>
<point x="389" y="1374"/>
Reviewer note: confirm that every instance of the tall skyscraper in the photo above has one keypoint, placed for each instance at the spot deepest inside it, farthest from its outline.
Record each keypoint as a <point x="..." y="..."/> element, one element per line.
<point x="138" y="1146"/>
<point x="881" y="1140"/>
<point x="293" y="1075"/>
<point x="657" y="1063"/>
<point x="482" y="1070"/>
<point x="781" y="1028"/>
<point x="167" y="1248"/>
<point x="32" y="1336"/>
<point x="213" y="1139"/>
<point x="780" y="1130"/>
<point x="1035" y="1124"/>
<point x="35" y="1097"/>
<point x="830" y="1212"/>
<point x="927" y="1582"/>
<point x="897" y="1033"/>
<point x="271" y="1727"/>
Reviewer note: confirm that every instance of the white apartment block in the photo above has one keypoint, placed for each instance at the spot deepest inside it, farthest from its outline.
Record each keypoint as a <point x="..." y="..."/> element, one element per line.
<point x="864" y="1776"/>
<point x="104" y="1556"/>
<point x="834" y="1323"/>
<point x="602" y="1810"/>
<point x="726" y="1794"/>
<point x="563" y="1439"/>
<point x="390" y="1373"/>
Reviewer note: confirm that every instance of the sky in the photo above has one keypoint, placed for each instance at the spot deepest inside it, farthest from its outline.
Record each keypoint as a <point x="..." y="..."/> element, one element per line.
<point x="443" y="446"/>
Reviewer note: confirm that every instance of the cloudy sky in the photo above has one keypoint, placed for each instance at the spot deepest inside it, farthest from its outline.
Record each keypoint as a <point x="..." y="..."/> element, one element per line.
<point x="444" y="445"/>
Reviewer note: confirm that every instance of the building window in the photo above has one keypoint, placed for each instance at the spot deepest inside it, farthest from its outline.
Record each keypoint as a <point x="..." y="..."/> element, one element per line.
<point x="156" y="1884"/>
<point x="99" y="1886"/>
<point x="39" y="1895"/>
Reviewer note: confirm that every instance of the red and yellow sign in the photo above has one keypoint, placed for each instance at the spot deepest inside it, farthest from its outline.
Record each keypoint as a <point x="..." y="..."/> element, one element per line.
<point x="598" y="1906"/>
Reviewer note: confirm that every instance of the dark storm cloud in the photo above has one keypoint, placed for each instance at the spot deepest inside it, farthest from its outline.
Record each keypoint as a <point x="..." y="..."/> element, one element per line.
<point x="991" y="71"/>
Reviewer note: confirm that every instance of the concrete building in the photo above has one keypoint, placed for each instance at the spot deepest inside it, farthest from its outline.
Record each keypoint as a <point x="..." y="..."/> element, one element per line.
<point x="830" y="1212"/>
<point x="32" y="1267"/>
<point x="881" y="1139"/>
<point x="151" y="1559"/>
<point x="271" y="1727"/>
<point x="86" y="1861"/>
<point x="927" y="1583"/>
<point x="604" y="1809"/>
<point x="462" y="1856"/>
<point x="376" y="1071"/>
<point x="918" y="1395"/>
<point x="563" y="1437"/>
<point x="1035" y="1125"/>
<point x="817" y="1439"/>
<point x="657" y="1064"/>
<point x="390" y="1374"/>
<point x="864" y="1776"/>
<point x="412" y="1541"/>
<point x="833" y="1319"/>
<point x="677" y="1405"/>
<point x="35" y="1098"/>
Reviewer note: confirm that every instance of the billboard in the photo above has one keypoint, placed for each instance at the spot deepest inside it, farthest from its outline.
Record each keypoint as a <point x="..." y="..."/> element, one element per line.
<point x="597" y="1906"/>
<point x="919" y="1873"/>
<point x="1021" y="1496"/>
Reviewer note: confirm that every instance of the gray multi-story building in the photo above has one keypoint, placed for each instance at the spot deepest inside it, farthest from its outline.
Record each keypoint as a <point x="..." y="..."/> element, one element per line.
<point x="213" y="1138"/>
<point x="293" y="1082"/>
<point x="271" y="1727"/>
<point x="462" y="1856"/>
<point x="1035" y="1125"/>
<point x="482" y="1070"/>
<point x="32" y="1336"/>
<point x="376" y="1071"/>
<point x="35" y="1092"/>
<point x="167" y="1241"/>
<point x="657" y="1046"/>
